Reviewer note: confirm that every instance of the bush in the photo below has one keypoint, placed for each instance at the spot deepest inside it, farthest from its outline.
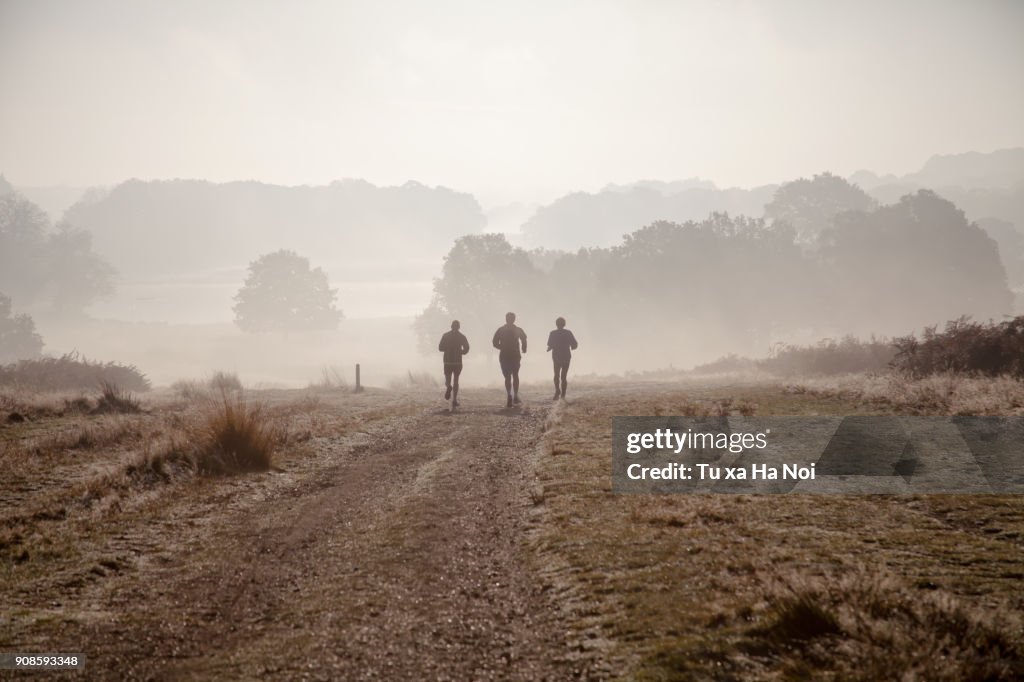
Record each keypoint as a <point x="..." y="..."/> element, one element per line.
<point x="964" y="347"/>
<point x="114" y="399"/>
<point x="234" y="437"/>
<point x="225" y="381"/>
<point x="849" y="355"/>
<point x="189" y="389"/>
<point x="988" y="349"/>
<point x="71" y="372"/>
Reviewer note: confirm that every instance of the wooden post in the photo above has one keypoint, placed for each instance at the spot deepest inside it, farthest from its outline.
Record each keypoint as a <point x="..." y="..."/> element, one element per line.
<point x="359" y="386"/>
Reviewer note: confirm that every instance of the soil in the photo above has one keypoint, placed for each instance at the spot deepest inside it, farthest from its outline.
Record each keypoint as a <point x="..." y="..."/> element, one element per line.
<point x="395" y="552"/>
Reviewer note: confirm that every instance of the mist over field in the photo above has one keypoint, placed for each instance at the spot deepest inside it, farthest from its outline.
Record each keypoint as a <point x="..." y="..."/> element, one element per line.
<point x="782" y="237"/>
<point x="450" y="187"/>
<point x="678" y="273"/>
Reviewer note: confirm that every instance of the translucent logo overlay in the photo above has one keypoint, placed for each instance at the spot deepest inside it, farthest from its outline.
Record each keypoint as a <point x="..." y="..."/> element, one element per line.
<point x="818" y="455"/>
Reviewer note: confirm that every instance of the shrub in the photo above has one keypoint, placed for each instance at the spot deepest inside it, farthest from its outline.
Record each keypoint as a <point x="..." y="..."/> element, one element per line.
<point x="114" y="399"/>
<point x="225" y="381"/>
<point x="71" y="372"/>
<point x="234" y="437"/>
<point x="188" y="389"/>
<point x="849" y="355"/>
<point x="727" y="363"/>
<point x="989" y="349"/>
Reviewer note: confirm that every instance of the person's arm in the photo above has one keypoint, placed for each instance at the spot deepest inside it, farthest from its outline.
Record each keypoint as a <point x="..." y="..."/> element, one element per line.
<point x="465" y="345"/>
<point x="572" y="341"/>
<point x="550" y="337"/>
<point x="440" y="346"/>
<point x="496" y="341"/>
<point x="522" y="337"/>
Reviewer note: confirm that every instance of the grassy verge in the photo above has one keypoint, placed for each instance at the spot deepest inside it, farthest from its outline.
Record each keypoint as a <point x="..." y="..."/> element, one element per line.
<point x="768" y="587"/>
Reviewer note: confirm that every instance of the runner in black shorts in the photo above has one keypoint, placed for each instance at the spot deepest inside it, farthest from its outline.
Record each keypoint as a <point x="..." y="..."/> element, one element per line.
<point x="507" y="340"/>
<point x="561" y="343"/>
<point x="454" y="345"/>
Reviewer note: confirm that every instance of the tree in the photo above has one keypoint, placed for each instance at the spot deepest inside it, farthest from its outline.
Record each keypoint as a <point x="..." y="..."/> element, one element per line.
<point x="913" y="263"/>
<point x="18" y="337"/>
<point x="1011" y="247"/>
<point x="282" y="293"/>
<point x="810" y="206"/>
<point x="733" y="275"/>
<point x="78" y="275"/>
<point x="23" y="227"/>
<point x="483" y="278"/>
<point x="40" y="265"/>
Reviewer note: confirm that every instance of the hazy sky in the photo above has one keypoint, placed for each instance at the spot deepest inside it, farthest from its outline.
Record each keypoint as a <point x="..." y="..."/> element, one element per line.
<point x="512" y="100"/>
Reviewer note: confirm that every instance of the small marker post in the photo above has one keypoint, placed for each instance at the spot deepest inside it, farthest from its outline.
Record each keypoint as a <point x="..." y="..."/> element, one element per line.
<point x="359" y="385"/>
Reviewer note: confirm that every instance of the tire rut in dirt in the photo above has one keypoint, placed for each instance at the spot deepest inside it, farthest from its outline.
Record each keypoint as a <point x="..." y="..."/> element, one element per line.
<point x="402" y="561"/>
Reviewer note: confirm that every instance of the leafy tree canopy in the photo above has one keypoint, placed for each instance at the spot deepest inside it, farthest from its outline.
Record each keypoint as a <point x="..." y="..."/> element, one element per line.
<point x="810" y="206"/>
<point x="914" y="262"/>
<point x="282" y="293"/>
<point x="40" y="265"/>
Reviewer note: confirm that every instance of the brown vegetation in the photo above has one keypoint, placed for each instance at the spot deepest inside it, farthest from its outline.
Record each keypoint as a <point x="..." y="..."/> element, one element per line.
<point x="990" y="349"/>
<point x="668" y="587"/>
<point x="938" y="394"/>
<point x="71" y="372"/>
<point x="233" y="436"/>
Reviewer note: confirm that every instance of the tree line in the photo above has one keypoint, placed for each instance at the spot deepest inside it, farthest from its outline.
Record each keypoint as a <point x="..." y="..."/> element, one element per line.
<point x="828" y="260"/>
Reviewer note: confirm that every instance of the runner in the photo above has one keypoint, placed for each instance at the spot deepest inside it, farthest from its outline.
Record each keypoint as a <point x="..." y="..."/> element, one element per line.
<point x="561" y="343"/>
<point x="507" y="340"/>
<point x="454" y="345"/>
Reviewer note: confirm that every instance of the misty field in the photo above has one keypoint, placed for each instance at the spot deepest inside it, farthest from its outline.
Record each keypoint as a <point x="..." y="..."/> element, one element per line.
<point x="377" y="534"/>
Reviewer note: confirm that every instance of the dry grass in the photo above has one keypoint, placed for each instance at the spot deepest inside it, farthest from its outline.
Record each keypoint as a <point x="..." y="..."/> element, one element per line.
<point x="332" y="378"/>
<point x="189" y="389"/>
<point x="234" y="435"/>
<point x="882" y="628"/>
<point x="417" y="380"/>
<point x="666" y="587"/>
<point x="114" y="399"/>
<point x="937" y="394"/>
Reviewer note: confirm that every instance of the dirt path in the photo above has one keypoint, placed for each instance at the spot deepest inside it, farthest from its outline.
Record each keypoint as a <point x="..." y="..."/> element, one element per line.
<point x="393" y="555"/>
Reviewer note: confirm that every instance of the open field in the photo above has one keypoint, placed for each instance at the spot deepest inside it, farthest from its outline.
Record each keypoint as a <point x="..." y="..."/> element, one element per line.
<point x="393" y="540"/>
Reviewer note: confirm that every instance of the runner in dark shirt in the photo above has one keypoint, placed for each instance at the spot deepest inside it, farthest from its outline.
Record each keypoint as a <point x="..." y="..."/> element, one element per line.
<point x="454" y="345"/>
<point x="561" y="343"/>
<point x="507" y="340"/>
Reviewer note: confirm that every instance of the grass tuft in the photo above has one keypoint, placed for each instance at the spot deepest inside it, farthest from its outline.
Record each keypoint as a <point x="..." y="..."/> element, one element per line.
<point x="867" y="625"/>
<point x="115" y="400"/>
<point x="235" y="437"/>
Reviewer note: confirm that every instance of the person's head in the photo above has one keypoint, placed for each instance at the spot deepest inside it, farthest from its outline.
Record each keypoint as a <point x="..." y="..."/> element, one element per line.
<point x="510" y="318"/>
<point x="455" y="325"/>
<point x="560" y="323"/>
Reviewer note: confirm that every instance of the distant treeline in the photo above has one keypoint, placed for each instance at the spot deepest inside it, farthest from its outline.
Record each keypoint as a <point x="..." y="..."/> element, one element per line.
<point x="176" y="227"/>
<point x="736" y="283"/>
